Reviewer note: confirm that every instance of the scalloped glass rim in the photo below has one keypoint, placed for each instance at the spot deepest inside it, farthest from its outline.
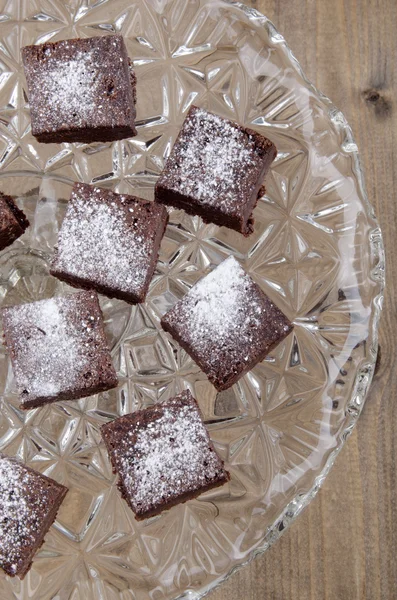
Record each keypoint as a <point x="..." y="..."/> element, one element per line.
<point x="364" y="375"/>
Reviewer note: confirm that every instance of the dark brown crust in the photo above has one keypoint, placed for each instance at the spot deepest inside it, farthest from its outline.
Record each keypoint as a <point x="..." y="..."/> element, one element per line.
<point x="98" y="134"/>
<point x="58" y="493"/>
<point x="123" y="105"/>
<point x="114" y="431"/>
<point x="101" y="379"/>
<point x="243" y="223"/>
<point x="111" y="383"/>
<point x="246" y="227"/>
<point x="157" y="229"/>
<point x="13" y="222"/>
<point x="180" y="202"/>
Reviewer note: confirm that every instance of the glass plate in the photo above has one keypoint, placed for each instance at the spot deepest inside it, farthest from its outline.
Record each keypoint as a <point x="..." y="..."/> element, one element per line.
<point x="316" y="251"/>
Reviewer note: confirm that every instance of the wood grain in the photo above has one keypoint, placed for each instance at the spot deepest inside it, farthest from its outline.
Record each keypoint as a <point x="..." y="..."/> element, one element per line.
<point x="343" y="546"/>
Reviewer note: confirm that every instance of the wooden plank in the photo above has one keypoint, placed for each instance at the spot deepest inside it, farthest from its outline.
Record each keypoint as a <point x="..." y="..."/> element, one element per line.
<point x="342" y="547"/>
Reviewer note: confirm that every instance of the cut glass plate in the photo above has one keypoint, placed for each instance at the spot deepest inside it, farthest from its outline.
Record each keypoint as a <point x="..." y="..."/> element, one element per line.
<point x="316" y="251"/>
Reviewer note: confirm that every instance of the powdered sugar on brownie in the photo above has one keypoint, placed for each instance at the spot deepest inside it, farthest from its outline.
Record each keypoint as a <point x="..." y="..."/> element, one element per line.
<point x="70" y="88"/>
<point x="226" y="323"/>
<point x="101" y="241"/>
<point x="212" y="160"/>
<point x="21" y="514"/>
<point x="168" y="455"/>
<point x="77" y="86"/>
<point x="50" y="358"/>
<point x="51" y="343"/>
<point x="217" y="307"/>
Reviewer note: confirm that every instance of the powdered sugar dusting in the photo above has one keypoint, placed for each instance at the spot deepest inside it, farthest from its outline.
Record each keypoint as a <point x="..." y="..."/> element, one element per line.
<point x="51" y="343"/>
<point x="71" y="87"/>
<point x="213" y="160"/>
<point x="218" y="306"/>
<point x="169" y="455"/>
<point x="101" y="241"/>
<point x="49" y="352"/>
<point x="21" y="514"/>
<point x="78" y="86"/>
<point x="226" y="323"/>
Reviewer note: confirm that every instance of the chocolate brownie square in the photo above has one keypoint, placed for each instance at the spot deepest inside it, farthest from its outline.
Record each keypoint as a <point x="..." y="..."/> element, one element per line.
<point x="58" y="349"/>
<point x="109" y="242"/>
<point x="29" y="503"/>
<point x="226" y="323"/>
<point x="215" y="170"/>
<point x="81" y="90"/>
<point x="13" y="221"/>
<point x="163" y="455"/>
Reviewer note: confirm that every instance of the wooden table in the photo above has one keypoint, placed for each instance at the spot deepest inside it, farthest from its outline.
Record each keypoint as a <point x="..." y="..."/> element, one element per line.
<point x="343" y="547"/>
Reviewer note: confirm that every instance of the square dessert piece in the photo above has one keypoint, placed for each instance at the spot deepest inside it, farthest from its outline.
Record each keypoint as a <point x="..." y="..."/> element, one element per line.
<point x="81" y="90"/>
<point x="29" y="503"/>
<point x="109" y="242"/>
<point x="215" y="170"/>
<point x="226" y="323"/>
<point x="13" y="221"/>
<point x="58" y="349"/>
<point x="163" y="455"/>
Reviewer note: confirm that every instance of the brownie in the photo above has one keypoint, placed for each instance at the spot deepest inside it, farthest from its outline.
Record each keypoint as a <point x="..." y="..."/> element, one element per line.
<point x="163" y="455"/>
<point x="81" y="90"/>
<point x="226" y="323"/>
<point x="13" y="221"/>
<point x="58" y="349"/>
<point x="109" y="242"/>
<point x="215" y="170"/>
<point x="29" y="502"/>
